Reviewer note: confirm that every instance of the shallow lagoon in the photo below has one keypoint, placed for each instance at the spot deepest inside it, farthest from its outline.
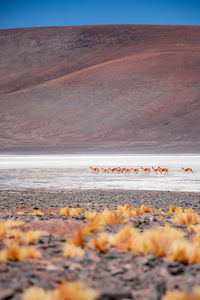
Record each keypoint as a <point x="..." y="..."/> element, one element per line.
<point x="72" y="172"/>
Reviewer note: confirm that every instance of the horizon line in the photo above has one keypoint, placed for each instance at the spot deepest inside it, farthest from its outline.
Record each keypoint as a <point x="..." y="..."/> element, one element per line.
<point x="89" y="25"/>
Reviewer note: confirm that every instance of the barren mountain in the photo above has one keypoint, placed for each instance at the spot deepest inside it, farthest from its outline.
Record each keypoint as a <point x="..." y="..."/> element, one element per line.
<point x="112" y="88"/>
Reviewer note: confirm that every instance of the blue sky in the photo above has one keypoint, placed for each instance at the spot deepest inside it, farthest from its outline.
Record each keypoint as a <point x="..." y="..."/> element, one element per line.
<point x="37" y="13"/>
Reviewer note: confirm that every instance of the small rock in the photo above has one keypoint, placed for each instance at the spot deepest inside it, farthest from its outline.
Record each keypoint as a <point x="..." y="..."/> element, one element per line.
<point x="131" y="275"/>
<point x="175" y="268"/>
<point x="6" y="293"/>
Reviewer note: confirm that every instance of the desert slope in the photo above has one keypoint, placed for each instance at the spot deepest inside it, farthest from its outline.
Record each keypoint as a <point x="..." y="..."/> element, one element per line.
<point x="119" y="88"/>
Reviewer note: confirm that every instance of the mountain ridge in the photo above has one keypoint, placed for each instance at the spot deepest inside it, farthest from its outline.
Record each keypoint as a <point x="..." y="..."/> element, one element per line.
<point x="102" y="87"/>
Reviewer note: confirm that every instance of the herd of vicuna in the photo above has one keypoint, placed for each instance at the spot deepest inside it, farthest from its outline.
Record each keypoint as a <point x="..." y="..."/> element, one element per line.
<point x="119" y="170"/>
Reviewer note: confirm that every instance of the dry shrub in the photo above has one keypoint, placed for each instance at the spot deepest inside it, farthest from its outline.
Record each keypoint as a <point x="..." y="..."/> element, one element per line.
<point x="146" y="209"/>
<point x="130" y="211"/>
<point x="119" y="216"/>
<point x="157" y="241"/>
<point x="13" y="223"/>
<point x="2" y="230"/>
<point x="71" y="211"/>
<point x="128" y="238"/>
<point x="6" y="228"/>
<point x="15" y="234"/>
<point x="78" y="239"/>
<point x="92" y="227"/>
<point x="36" y="212"/>
<point x="111" y="217"/>
<point x="30" y="237"/>
<point x="160" y="241"/>
<point x="19" y="237"/>
<point x="34" y="293"/>
<point x="160" y="212"/>
<point x="101" y="243"/>
<point x="194" y="228"/>
<point x="179" y="209"/>
<point x="138" y="212"/>
<point x="66" y="291"/>
<point x="75" y="291"/>
<point x="73" y="251"/>
<point x="91" y="216"/>
<point x="74" y="246"/>
<point x="179" y="295"/>
<point x="172" y="208"/>
<point x="168" y="213"/>
<point x="106" y="217"/>
<point x="15" y="252"/>
<point x="188" y="217"/>
<point x="20" y="213"/>
<point x="184" y="251"/>
<point x="127" y="211"/>
<point x="196" y="292"/>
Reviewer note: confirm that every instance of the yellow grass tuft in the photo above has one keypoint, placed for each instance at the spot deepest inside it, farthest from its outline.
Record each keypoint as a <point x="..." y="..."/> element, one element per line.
<point x="66" y="291"/>
<point x="146" y="209"/>
<point x="92" y="228"/>
<point x="160" y="212"/>
<point x="17" y="253"/>
<point x="160" y="241"/>
<point x="179" y="209"/>
<point x="36" y="212"/>
<point x="13" y="223"/>
<point x="7" y="228"/>
<point x="71" y="211"/>
<point x="111" y="217"/>
<point x="101" y="243"/>
<point x="78" y="239"/>
<point x="194" y="228"/>
<point x="196" y="292"/>
<point x="184" y="251"/>
<point x="127" y="211"/>
<point x="73" y="251"/>
<point x="30" y="237"/>
<point x="2" y="230"/>
<point x="14" y="233"/>
<point x="74" y="246"/>
<point x="75" y="291"/>
<point x="188" y="217"/>
<point x="172" y="208"/>
<point x="91" y="216"/>
<point x="138" y="212"/>
<point x="106" y="217"/>
<point x="179" y="295"/>
<point x="34" y="293"/>
<point x="128" y="238"/>
<point x="168" y="213"/>
<point x="20" y="213"/>
<point x="157" y="241"/>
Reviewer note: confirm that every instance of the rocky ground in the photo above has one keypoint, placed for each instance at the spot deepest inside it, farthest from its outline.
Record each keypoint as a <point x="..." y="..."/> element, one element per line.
<point x="114" y="274"/>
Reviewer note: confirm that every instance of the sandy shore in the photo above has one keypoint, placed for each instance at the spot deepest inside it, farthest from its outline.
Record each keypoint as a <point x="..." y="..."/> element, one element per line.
<point x="12" y="199"/>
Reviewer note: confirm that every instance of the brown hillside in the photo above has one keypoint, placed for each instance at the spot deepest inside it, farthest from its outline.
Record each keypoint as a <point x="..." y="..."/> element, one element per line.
<point x="119" y="88"/>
